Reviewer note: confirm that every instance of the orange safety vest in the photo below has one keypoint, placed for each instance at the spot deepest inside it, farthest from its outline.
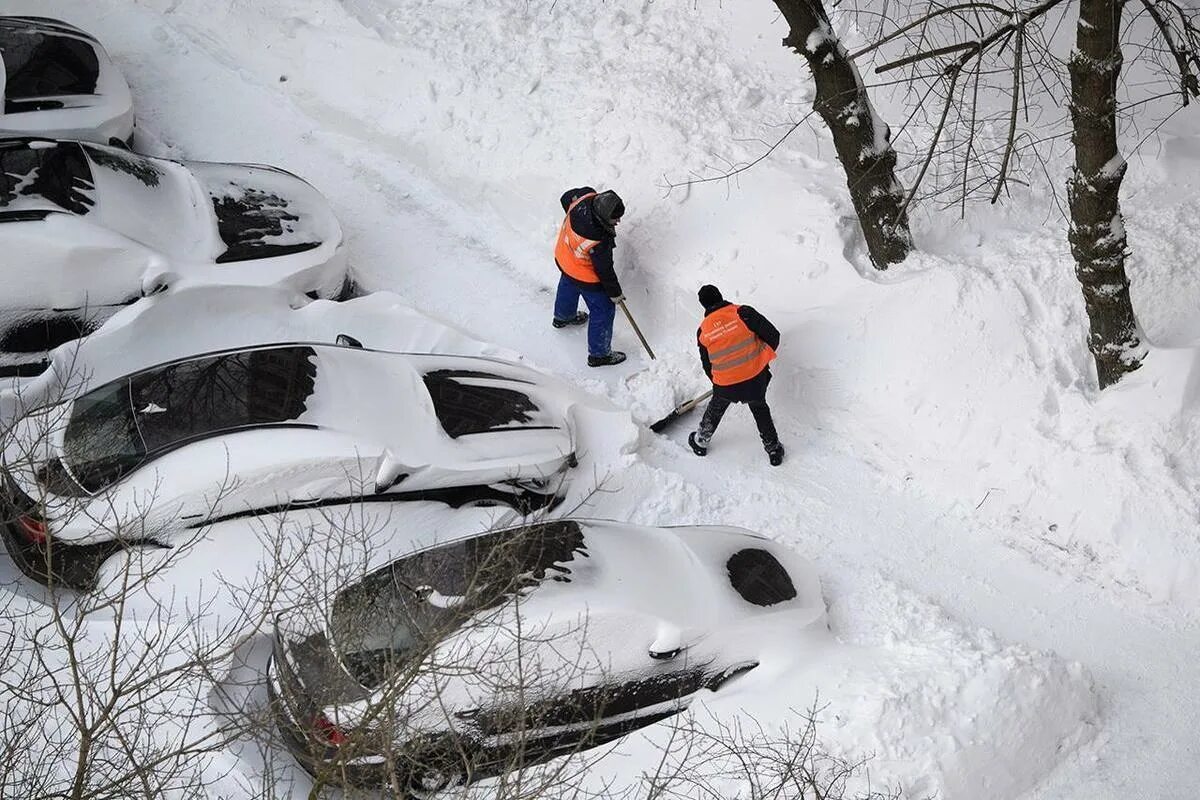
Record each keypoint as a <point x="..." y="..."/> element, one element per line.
<point x="735" y="353"/>
<point x="572" y="252"/>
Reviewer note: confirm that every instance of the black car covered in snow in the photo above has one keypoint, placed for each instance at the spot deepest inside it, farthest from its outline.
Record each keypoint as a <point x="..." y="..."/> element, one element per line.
<point x="514" y="646"/>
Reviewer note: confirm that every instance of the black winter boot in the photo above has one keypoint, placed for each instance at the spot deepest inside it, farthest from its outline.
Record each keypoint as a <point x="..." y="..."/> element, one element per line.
<point x="614" y="357"/>
<point x="697" y="448"/>
<point x="775" y="454"/>
<point x="579" y="318"/>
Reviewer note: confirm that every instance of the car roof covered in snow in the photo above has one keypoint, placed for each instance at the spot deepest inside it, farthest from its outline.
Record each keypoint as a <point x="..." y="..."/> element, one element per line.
<point x="191" y="210"/>
<point x="690" y="576"/>
<point x="681" y="575"/>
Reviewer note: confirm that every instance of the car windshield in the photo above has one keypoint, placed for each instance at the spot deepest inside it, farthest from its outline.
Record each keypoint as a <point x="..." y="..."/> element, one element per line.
<point x="38" y="63"/>
<point x="398" y="613"/>
<point x="32" y="173"/>
<point x="117" y="427"/>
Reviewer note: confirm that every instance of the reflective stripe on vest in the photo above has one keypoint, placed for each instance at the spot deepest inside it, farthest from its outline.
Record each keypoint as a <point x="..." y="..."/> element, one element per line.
<point x="735" y="353"/>
<point x="572" y="252"/>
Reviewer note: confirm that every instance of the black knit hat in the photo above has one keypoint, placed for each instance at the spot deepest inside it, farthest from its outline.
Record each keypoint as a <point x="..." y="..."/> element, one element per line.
<point x="709" y="295"/>
<point x="609" y="208"/>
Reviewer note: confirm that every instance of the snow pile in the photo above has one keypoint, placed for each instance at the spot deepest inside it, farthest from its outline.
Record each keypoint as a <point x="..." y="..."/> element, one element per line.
<point x="939" y="711"/>
<point x="949" y="712"/>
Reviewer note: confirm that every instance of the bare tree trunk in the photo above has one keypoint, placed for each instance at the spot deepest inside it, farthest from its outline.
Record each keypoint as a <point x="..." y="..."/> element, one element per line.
<point x="863" y="142"/>
<point x="1097" y="231"/>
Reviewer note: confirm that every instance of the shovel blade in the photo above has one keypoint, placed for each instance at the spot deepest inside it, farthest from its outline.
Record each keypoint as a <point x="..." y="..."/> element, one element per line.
<point x="661" y="425"/>
<point x="679" y="411"/>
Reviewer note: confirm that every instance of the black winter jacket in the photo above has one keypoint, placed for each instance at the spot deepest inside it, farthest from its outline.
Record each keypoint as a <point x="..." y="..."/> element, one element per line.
<point x="584" y="223"/>
<point x="754" y="389"/>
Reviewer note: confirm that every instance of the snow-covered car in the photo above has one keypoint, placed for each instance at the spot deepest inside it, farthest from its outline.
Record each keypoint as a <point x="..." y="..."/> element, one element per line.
<point x="58" y="81"/>
<point x="88" y="228"/>
<point x="262" y="429"/>
<point x="522" y="644"/>
<point x="203" y="319"/>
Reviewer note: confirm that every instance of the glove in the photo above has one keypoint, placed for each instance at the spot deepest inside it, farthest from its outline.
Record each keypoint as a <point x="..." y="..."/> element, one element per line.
<point x="618" y="299"/>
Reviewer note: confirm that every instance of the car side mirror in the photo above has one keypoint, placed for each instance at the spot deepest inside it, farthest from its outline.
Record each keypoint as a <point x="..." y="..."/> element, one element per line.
<point x="153" y="286"/>
<point x="667" y="643"/>
<point x="389" y="472"/>
<point x="346" y="340"/>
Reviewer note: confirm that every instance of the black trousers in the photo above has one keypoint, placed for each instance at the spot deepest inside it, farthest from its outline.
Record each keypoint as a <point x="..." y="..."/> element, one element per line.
<point x="717" y="407"/>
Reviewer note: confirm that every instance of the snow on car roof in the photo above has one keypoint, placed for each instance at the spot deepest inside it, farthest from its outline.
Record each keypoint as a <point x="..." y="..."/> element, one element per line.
<point x="206" y="318"/>
<point x="675" y="574"/>
<point x="603" y="567"/>
<point x="153" y="201"/>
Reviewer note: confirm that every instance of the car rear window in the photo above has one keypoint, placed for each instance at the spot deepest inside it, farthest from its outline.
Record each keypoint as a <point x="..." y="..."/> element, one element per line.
<point x="101" y="444"/>
<point x="254" y="224"/>
<point x="398" y="612"/>
<point x="116" y="428"/>
<point x="39" y="63"/>
<point x="759" y="578"/>
<point x="58" y="173"/>
<point x="463" y="407"/>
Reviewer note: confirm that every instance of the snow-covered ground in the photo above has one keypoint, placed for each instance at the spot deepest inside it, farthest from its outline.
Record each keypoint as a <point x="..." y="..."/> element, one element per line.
<point x="1010" y="559"/>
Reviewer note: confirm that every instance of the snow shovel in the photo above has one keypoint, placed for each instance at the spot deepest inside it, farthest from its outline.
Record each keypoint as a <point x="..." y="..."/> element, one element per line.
<point x="679" y="411"/>
<point x="636" y="329"/>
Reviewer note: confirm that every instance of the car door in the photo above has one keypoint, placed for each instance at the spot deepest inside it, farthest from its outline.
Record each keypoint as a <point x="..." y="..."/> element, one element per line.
<point x="66" y="278"/>
<point x="588" y="717"/>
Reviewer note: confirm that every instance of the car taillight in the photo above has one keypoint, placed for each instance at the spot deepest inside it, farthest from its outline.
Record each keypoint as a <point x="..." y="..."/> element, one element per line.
<point x="329" y="733"/>
<point x="32" y="528"/>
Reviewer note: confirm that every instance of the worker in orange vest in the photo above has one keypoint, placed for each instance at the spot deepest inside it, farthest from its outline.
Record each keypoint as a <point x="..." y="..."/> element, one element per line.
<point x="583" y="252"/>
<point x="737" y="344"/>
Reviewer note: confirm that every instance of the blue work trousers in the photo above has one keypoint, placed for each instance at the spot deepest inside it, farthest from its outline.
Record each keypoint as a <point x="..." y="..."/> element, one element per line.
<point x="601" y="311"/>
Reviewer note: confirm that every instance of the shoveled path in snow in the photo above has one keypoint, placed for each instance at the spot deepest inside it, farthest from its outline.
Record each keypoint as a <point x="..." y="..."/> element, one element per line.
<point x="838" y="509"/>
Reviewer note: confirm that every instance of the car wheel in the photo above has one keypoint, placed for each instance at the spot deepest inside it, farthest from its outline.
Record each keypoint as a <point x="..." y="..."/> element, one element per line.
<point x="428" y="782"/>
<point x="435" y="766"/>
<point x="481" y="503"/>
<point x="348" y="290"/>
<point x="729" y="673"/>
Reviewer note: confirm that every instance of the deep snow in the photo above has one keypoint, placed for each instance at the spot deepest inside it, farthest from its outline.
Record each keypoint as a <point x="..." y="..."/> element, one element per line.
<point x="1009" y="558"/>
